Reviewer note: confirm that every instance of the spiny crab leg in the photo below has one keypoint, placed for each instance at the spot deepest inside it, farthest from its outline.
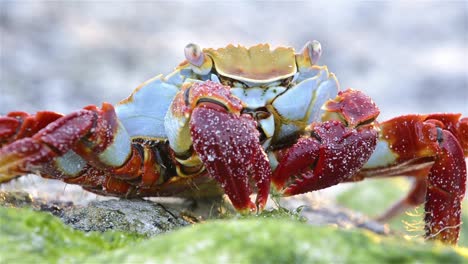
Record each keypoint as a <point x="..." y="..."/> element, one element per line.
<point x="226" y="142"/>
<point x="17" y="125"/>
<point x="442" y="140"/>
<point x="55" y="146"/>
<point x="30" y="153"/>
<point x="334" y="151"/>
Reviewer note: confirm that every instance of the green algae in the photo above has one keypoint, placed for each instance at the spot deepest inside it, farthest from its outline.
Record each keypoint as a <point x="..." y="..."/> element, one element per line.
<point x="277" y="241"/>
<point x="34" y="237"/>
<point x="27" y="236"/>
<point x="373" y="197"/>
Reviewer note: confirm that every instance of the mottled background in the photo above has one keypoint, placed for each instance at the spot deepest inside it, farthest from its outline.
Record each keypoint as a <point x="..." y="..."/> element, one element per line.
<point x="410" y="57"/>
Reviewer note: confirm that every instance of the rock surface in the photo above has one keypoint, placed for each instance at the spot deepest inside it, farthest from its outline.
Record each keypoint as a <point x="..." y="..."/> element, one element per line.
<point x="132" y="216"/>
<point x="149" y="218"/>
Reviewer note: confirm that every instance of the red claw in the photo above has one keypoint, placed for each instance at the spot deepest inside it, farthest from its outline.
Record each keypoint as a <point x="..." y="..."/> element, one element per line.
<point x="335" y="150"/>
<point x="335" y="153"/>
<point x="229" y="147"/>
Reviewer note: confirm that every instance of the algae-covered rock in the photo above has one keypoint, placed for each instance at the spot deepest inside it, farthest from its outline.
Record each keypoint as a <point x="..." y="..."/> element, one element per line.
<point x="133" y="216"/>
<point x="34" y="237"/>
<point x="27" y="236"/>
<point x="275" y="241"/>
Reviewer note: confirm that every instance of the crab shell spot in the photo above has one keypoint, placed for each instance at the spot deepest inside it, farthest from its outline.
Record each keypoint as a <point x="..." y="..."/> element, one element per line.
<point x="70" y="164"/>
<point x="143" y="113"/>
<point x="119" y="150"/>
<point x="256" y="64"/>
<point x="381" y="157"/>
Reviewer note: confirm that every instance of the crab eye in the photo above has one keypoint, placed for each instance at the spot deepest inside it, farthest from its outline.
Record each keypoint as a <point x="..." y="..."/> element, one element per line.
<point x="194" y="54"/>
<point x="314" y="48"/>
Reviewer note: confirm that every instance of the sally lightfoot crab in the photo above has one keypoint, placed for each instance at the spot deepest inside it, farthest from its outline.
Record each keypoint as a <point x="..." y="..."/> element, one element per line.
<point x="238" y="120"/>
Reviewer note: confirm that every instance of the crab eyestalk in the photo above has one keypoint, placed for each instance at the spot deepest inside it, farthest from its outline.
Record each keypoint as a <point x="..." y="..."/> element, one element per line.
<point x="309" y="55"/>
<point x="194" y="54"/>
<point x="201" y="64"/>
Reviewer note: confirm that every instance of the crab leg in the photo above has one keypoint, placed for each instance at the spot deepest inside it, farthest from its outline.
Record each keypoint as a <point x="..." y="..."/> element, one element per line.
<point x="433" y="147"/>
<point x="65" y="147"/>
<point x="28" y="154"/>
<point x="17" y="125"/>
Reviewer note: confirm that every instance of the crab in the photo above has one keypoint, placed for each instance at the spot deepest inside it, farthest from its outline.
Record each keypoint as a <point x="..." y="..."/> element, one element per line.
<point x="238" y="121"/>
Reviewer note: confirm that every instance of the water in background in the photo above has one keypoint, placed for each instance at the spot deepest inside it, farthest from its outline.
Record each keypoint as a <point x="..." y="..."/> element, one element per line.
<point x="409" y="57"/>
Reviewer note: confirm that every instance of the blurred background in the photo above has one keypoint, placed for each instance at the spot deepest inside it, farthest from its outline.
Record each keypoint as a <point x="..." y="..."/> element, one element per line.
<point x="410" y="57"/>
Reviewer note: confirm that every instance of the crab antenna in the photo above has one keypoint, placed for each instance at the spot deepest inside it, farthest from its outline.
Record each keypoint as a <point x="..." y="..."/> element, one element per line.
<point x="194" y="54"/>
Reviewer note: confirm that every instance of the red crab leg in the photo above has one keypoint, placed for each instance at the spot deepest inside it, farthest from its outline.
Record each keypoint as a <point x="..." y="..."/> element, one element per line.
<point x="446" y="189"/>
<point x="89" y="147"/>
<point x="28" y="154"/>
<point x="228" y="145"/>
<point x="17" y="125"/>
<point x="333" y="153"/>
<point x="440" y="138"/>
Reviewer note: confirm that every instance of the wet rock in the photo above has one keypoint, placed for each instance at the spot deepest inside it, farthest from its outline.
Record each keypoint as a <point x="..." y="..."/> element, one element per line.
<point x="24" y="199"/>
<point x="132" y="216"/>
<point x="15" y="199"/>
<point x="149" y="218"/>
<point x="141" y="217"/>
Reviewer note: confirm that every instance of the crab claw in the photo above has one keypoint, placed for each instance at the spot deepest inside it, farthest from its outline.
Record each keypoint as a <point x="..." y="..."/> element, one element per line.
<point x="335" y="150"/>
<point x="228" y="145"/>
